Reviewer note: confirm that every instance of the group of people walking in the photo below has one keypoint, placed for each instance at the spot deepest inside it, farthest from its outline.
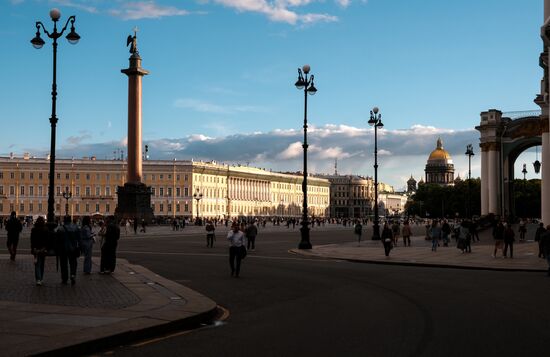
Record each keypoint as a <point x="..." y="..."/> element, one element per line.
<point x="67" y="242"/>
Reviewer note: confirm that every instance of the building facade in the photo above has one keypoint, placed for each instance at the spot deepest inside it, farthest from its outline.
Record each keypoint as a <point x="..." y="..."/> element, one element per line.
<point x="179" y="188"/>
<point x="440" y="168"/>
<point x="350" y="196"/>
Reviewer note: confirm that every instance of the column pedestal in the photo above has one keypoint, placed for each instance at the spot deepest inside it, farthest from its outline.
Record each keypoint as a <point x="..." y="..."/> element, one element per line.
<point x="134" y="202"/>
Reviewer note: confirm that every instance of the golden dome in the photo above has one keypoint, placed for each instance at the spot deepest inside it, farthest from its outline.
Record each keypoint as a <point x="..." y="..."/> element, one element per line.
<point x="440" y="154"/>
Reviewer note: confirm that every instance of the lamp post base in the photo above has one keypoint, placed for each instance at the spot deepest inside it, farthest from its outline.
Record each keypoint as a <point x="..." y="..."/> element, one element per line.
<point x="304" y="243"/>
<point x="134" y="202"/>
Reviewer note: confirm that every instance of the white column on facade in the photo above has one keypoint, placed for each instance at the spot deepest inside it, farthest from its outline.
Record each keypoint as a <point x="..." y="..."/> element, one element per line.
<point x="484" y="183"/>
<point x="493" y="182"/>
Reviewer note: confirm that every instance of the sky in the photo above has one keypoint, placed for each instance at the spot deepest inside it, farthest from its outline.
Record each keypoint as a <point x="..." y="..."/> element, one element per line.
<point x="222" y="73"/>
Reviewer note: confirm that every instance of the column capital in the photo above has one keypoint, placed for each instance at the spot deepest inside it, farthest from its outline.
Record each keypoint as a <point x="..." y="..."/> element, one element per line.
<point x="491" y="146"/>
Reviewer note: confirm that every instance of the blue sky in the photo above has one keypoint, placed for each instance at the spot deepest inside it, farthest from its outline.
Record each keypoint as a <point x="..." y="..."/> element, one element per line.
<point x="222" y="75"/>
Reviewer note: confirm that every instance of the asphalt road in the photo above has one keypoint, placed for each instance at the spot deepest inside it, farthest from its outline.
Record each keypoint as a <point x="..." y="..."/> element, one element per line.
<point x="284" y="305"/>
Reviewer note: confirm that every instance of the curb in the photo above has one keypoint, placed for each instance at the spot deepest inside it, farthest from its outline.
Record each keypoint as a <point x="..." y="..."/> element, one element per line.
<point x="414" y="264"/>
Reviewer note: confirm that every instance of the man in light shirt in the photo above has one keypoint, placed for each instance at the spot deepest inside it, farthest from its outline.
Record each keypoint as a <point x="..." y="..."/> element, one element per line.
<point x="236" y="248"/>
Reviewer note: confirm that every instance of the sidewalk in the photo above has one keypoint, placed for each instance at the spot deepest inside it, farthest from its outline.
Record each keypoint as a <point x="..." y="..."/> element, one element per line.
<point x="420" y="254"/>
<point x="100" y="311"/>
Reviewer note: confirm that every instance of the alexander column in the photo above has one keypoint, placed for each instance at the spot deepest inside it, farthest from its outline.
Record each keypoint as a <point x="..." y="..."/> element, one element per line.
<point x="134" y="198"/>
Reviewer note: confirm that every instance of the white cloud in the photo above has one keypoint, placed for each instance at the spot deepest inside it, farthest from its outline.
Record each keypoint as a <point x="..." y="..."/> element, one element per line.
<point x="146" y="10"/>
<point x="292" y="151"/>
<point x="76" y="5"/>
<point x="278" y="10"/>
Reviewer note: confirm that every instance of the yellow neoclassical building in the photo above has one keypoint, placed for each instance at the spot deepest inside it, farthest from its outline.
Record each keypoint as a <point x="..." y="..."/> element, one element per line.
<point x="179" y="188"/>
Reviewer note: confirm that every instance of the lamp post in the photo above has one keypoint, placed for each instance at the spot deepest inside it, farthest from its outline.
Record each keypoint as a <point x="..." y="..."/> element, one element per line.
<point x="67" y="195"/>
<point x="38" y="42"/>
<point x="306" y="84"/>
<point x="469" y="153"/>
<point x="524" y="172"/>
<point x="376" y="121"/>
<point x="197" y="196"/>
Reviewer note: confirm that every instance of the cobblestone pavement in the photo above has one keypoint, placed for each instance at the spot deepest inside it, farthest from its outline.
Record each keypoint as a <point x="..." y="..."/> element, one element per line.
<point x="100" y="311"/>
<point x="94" y="291"/>
<point x="525" y="255"/>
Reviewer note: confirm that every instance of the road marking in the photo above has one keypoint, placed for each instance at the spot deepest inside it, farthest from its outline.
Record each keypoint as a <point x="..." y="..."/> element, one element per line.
<point x="222" y="255"/>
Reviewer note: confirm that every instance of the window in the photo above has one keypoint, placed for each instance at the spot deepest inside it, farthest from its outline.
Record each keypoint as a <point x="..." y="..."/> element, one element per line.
<point x="67" y="176"/>
<point x="161" y="207"/>
<point x="40" y="207"/>
<point x="88" y="191"/>
<point x="107" y="191"/>
<point x="77" y="191"/>
<point x="87" y="177"/>
<point x="40" y="175"/>
<point x="107" y="177"/>
<point x="107" y="207"/>
<point x="186" y="191"/>
<point x="22" y="175"/>
<point x="97" y="207"/>
<point x="31" y="190"/>
<point x="1" y="176"/>
<point x="1" y="207"/>
<point x="58" y="190"/>
<point x="58" y="176"/>
<point x="186" y="177"/>
<point x="178" y="191"/>
<point x="31" y="207"/>
<point x="31" y="175"/>
<point x="170" y="191"/>
<point x="186" y="207"/>
<point x="12" y="191"/>
<point x="39" y="190"/>
<point x="77" y="176"/>
<point x="177" y="177"/>
<point x="169" y="207"/>
<point x="169" y="176"/>
<point x="97" y="190"/>
<point x="22" y="191"/>
<point x="161" y="191"/>
<point x="153" y="191"/>
<point x="11" y="207"/>
<point x="153" y="177"/>
<point x="177" y="207"/>
<point x="22" y="207"/>
<point x="161" y="176"/>
<point x="77" y="207"/>
<point x="1" y="191"/>
<point x="12" y="176"/>
<point x="87" y="207"/>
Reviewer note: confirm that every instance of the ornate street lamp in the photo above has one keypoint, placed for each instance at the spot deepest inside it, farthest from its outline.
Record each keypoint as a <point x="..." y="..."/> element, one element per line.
<point x="38" y="42"/>
<point x="469" y="153"/>
<point x="376" y="121"/>
<point x="524" y="171"/>
<point x="67" y="195"/>
<point x="537" y="164"/>
<point x="306" y="84"/>
<point x="197" y="196"/>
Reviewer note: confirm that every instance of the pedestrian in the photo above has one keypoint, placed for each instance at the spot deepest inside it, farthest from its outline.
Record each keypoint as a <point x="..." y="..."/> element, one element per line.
<point x="406" y="232"/>
<point x="435" y="234"/>
<point x="540" y="230"/>
<point x="135" y="225"/>
<point x="236" y="248"/>
<point x="210" y="235"/>
<point x="251" y="232"/>
<point x="445" y="232"/>
<point x="358" y="231"/>
<point x="144" y="224"/>
<point x="545" y="241"/>
<point x="498" y="236"/>
<point x="39" y="248"/>
<point x="387" y="239"/>
<point x="395" y="232"/>
<point x="87" y="238"/>
<point x="108" y="250"/>
<point x="509" y="240"/>
<point x="464" y="238"/>
<point x="522" y="230"/>
<point x="473" y="231"/>
<point x="68" y="249"/>
<point x="14" y="227"/>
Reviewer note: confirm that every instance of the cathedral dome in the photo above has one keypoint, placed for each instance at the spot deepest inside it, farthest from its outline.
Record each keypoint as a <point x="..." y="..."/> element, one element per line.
<point x="440" y="155"/>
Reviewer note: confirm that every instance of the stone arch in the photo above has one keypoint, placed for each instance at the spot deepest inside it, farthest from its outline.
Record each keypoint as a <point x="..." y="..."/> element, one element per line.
<point x="503" y="138"/>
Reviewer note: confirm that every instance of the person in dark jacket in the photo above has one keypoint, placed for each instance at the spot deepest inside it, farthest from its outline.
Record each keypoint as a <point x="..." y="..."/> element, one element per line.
<point x="68" y="249"/>
<point x="87" y="240"/>
<point x="545" y="242"/>
<point x="108" y="249"/>
<point x="540" y="230"/>
<point x="39" y="248"/>
<point x="387" y="239"/>
<point x="509" y="241"/>
<point x="14" y="227"/>
<point x="498" y="235"/>
<point x="251" y="232"/>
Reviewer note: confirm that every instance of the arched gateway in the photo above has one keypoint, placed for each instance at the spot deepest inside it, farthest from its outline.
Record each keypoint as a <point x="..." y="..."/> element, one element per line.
<point x="504" y="136"/>
<point x="503" y="139"/>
